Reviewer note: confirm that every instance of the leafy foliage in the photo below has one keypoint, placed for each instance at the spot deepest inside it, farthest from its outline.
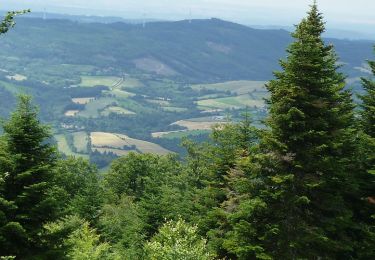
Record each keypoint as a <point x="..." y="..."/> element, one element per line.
<point x="8" y="21"/>
<point x="177" y="240"/>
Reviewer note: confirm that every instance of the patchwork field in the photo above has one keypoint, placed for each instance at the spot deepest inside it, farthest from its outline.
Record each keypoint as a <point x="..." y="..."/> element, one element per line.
<point x="125" y="143"/>
<point x="236" y="87"/>
<point x="238" y="102"/>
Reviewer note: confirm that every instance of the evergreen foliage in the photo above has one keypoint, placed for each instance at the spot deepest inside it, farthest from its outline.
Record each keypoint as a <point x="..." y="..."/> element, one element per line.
<point x="368" y="103"/>
<point x="28" y="181"/>
<point x="295" y="205"/>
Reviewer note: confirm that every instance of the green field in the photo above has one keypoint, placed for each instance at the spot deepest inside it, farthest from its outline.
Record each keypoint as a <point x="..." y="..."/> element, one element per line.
<point x="236" y="87"/>
<point x="80" y="140"/>
<point x="64" y="148"/>
<point x="238" y="102"/>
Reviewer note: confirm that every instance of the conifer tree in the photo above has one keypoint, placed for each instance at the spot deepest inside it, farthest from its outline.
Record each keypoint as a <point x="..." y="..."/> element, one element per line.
<point x="295" y="206"/>
<point x="29" y="179"/>
<point x="363" y="200"/>
<point x="368" y="103"/>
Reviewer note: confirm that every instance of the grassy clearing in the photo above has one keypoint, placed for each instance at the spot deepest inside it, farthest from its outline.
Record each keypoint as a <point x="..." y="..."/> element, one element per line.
<point x="237" y="87"/>
<point x="116" y="110"/>
<point x="237" y="102"/>
<point x="80" y="140"/>
<point x="118" y="141"/>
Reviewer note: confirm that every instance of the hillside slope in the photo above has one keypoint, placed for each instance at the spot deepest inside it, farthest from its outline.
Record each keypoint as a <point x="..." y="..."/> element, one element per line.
<point x="201" y="51"/>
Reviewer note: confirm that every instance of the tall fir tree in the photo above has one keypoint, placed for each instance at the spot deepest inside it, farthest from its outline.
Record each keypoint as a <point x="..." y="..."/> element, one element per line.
<point x="363" y="201"/>
<point x="29" y="179"/>
<point x="368" y="103"/>
<point x="295" y="205"/>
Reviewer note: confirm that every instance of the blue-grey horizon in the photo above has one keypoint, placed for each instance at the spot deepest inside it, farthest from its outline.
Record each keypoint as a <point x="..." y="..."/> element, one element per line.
<point x="341" y="14"/>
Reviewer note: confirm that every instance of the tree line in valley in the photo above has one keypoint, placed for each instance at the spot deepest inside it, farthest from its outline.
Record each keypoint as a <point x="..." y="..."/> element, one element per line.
<point x="301" y="188"/>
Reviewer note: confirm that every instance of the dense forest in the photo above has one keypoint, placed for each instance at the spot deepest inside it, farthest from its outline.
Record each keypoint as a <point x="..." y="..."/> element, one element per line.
<point x="302" y="187"/>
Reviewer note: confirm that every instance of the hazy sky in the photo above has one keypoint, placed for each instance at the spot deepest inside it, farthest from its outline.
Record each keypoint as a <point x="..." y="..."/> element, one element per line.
<point x="340" y="13"/>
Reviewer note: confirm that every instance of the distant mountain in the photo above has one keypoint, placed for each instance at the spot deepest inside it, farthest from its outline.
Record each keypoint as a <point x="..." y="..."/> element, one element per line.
<point x="330" y="32"/>
<point x="197" y="51"/>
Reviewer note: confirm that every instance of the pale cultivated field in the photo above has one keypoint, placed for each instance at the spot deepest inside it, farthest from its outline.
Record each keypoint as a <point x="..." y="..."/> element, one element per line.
<point x="71" y="112"/>
<point x="83" y="101"/>
<point x="118" y="141"/>
<point x="17" y="77"/>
